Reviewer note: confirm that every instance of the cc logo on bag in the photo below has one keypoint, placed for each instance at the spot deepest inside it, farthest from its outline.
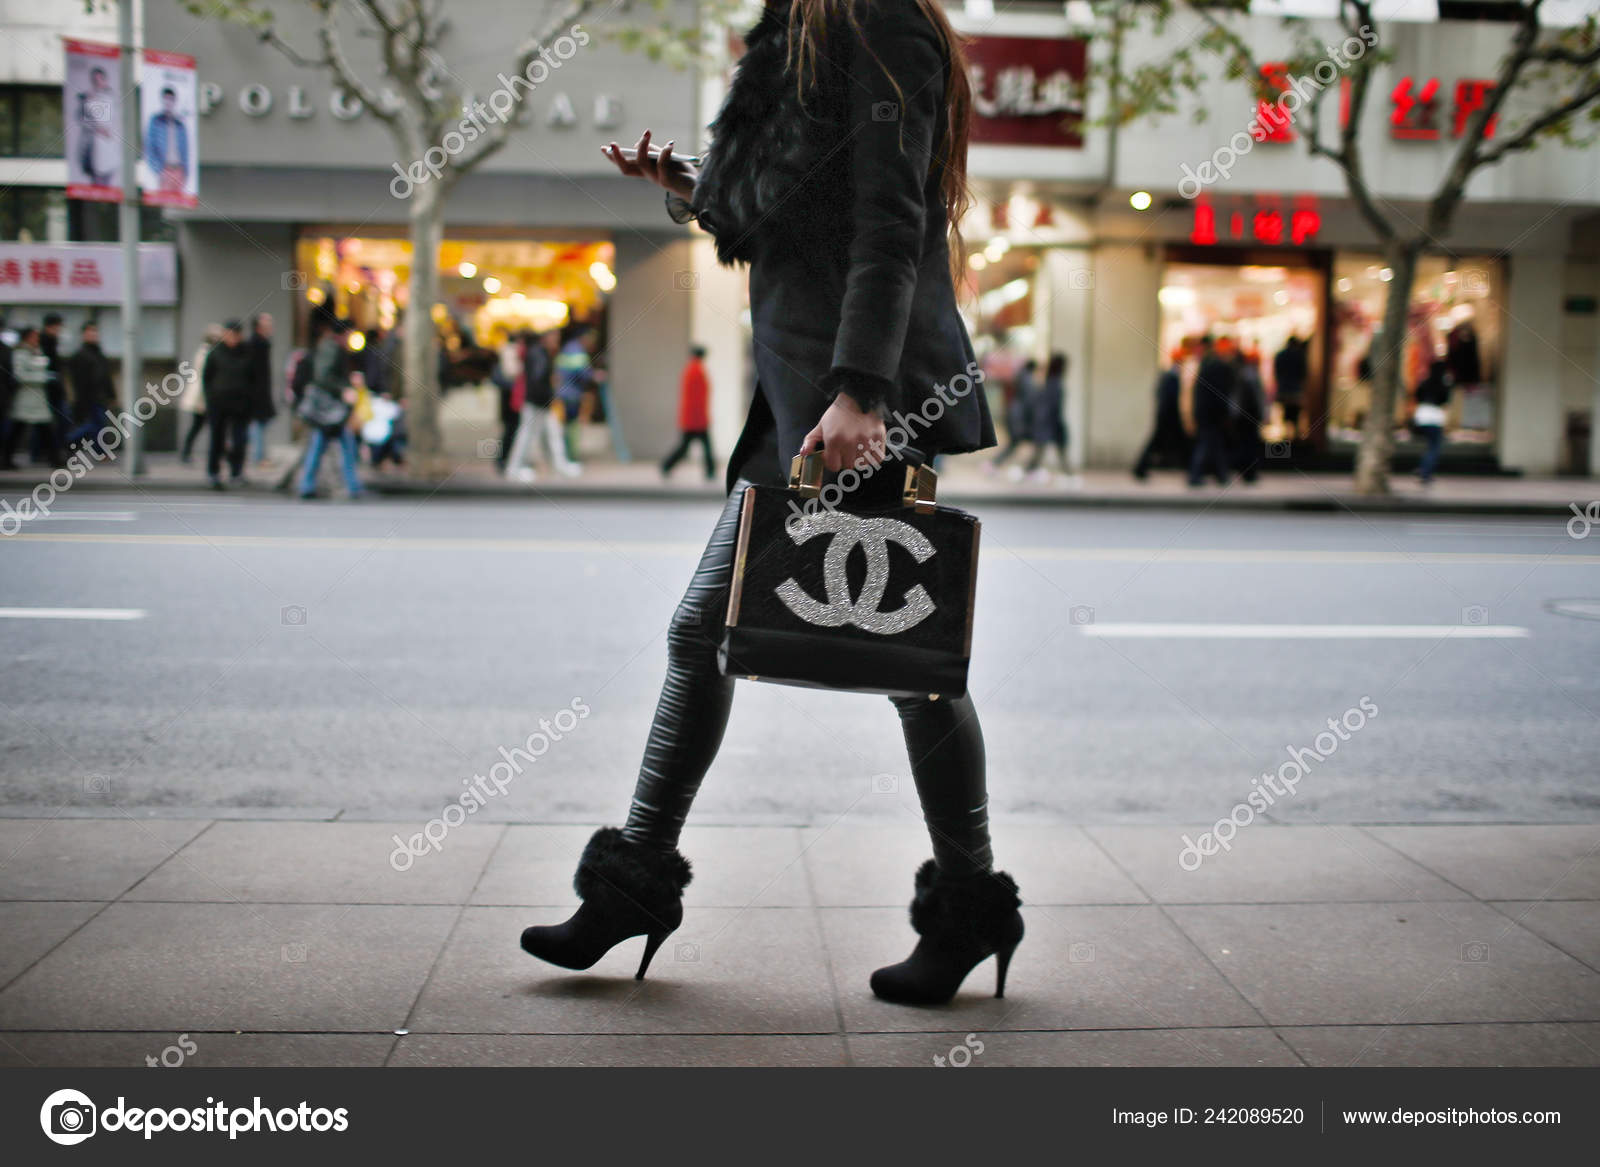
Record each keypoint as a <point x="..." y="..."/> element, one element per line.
<point x="873" y="536"/>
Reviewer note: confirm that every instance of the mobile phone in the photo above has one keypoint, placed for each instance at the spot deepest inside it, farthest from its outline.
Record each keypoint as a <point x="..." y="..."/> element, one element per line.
<point x="629" y="154"/>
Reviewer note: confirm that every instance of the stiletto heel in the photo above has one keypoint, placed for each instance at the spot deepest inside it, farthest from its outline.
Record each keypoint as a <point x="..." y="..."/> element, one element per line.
<point x="652" y="942"/>
<point x="959" y="923"/>
<point x="627" y="890"/>
<point x="1002" y="961"/>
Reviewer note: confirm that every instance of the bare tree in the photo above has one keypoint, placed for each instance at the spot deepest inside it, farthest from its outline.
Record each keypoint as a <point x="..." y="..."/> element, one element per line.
<point x="422" y="103"/>
<point x="1549" y="77"/>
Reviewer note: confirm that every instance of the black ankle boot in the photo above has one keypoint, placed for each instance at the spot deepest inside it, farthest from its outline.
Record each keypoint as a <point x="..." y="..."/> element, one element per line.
<point x="959" y="922"/>
<point x="627" y="890"/>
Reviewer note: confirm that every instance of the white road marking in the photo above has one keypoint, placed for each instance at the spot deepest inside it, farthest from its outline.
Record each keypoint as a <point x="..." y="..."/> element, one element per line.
<point x="1153" y="631"/>
<point x="72" y="613"/>
<point x="1151" y="556"/>
<point x="81" y="517"/>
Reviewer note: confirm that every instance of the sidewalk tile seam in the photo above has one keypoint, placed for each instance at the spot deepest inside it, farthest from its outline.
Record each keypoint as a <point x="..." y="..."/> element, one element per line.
<point x="455" y="924"/>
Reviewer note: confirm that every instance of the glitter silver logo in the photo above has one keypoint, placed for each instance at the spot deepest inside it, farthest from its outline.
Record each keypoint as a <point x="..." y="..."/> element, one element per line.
<point x="873" y="536"/>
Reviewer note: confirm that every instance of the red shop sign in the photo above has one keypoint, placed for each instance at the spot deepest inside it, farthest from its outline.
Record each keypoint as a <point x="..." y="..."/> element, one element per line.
<point x="1027" y="90"/>
<point x="1263" y="219"/>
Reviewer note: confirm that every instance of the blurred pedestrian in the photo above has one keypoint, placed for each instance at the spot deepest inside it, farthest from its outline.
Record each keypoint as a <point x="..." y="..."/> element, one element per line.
<point x="56" y="389"/>
<point x="575" y="380"/>
<point x="1023" y="389"/>
<point x="1213" y="405"/>
<point x="504" y="374"/>
<point x="30" y="403"/>
<point x="694" y="414"/>
<point x="227" y="381"/>
<point x="193" y="400"/>
<point x="94" y="392"/>
<point x="326" y="406"/>
<point x="539" y="431"/>
<point x="1047" y="423"/>
<point x="8" y="390"/>
<point x="1169" y="441"/>
<point x="1290" y="368"/>
<point x="1249" y="410"/>
<point x="262" y="407"/>
<point x="1428" y="416"/>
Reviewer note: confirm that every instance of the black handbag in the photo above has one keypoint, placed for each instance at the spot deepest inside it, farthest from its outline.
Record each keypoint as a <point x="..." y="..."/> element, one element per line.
<point x="872" y="594"/>
<point x="323" y="408"/>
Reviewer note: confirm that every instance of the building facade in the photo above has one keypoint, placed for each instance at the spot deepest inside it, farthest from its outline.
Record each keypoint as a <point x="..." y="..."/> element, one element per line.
<point x="1110" y="246"/>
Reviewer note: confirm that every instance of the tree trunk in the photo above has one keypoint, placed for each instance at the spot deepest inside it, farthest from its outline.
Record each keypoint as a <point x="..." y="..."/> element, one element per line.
<point x="1377" y="438"/>
<point x="420" y="343"/>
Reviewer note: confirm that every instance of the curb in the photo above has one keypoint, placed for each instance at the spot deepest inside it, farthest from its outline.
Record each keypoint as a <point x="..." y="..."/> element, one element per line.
<point x="1235" y="501"/>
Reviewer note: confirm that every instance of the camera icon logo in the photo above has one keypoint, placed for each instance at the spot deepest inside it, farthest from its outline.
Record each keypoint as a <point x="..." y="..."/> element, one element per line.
<point x="1474" y="614"/>
<point x="885" y="783"/>
<point x="294" y="954"/>
<point x="1080" y="279"/>
<point x="294" y="281"/>
<point x="97" y="784"/>
<point x="1278" y="449"/>
<point x="1476" y="283"/>
<point x="1080" y="953"/>
<point x="292" y="616"/>
<point x="488" y="448"/>
<point x="1080" y="614"/>
<point x="885" y="111"/>
<point x="1475" y="952"/>
<point x="99" y="109"/>
<point x="685" y="281"/>
<point x="68" y="1117"/>
<point x="686" y="953"/>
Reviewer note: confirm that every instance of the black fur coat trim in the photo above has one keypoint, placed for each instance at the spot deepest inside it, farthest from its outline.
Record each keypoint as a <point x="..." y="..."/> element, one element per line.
<point x="972" y="911"/>
<point x="766" y="143"/>
<point x="613" y="866"/>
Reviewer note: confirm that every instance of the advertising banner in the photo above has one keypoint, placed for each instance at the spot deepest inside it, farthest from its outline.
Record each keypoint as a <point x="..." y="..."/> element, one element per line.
<point x="92" y="121"/>
<point x="167" y="117"/>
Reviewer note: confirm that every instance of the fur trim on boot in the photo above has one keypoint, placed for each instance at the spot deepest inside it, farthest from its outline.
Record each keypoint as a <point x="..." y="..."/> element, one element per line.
<point x="613" y="868"/>
<point x="971" y="912"/>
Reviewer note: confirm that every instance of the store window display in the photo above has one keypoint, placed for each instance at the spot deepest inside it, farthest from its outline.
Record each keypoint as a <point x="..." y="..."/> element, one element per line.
<point x="1454" y="317"/>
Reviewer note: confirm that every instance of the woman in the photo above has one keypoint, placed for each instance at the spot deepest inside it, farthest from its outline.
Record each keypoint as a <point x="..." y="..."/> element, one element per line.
<point x="1046" y="416"/>
<point x="836" y="171"/>
<point x="193" y="401"/>
<point x="1427" y="420"/>
<point x="333" y="385"/>
<point x="30" y="404"/>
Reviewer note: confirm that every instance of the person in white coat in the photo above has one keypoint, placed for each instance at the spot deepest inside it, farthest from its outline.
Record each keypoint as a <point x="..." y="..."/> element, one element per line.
<point x="193" y="400"/>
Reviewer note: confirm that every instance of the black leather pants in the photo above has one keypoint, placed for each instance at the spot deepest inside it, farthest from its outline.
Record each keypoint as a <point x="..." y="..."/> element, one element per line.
<point x="943" y="738"/>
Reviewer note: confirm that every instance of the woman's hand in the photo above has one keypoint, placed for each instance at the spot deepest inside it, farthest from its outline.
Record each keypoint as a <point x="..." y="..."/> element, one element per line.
<point x="660" y="169"/>
<point x="846" y="432"/>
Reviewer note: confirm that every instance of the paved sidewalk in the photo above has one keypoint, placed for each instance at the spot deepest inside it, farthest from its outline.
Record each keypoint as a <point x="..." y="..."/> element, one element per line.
<point x="963" y="481"/>
<point x="249" y="942"/>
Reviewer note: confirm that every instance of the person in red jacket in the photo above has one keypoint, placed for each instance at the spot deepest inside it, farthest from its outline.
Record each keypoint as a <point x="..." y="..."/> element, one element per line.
<point x="694" y="414"/>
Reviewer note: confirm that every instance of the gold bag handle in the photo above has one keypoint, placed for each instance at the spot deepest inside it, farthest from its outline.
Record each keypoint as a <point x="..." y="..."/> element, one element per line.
<point x="918" y="491"/>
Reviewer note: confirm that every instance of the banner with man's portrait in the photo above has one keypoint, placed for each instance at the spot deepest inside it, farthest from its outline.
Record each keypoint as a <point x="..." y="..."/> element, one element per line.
<point x="170" y="163"/>
<point x="92" y="120"/>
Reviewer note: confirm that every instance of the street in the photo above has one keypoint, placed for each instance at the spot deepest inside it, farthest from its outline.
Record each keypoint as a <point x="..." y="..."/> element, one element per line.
<point x="365" y="661"/>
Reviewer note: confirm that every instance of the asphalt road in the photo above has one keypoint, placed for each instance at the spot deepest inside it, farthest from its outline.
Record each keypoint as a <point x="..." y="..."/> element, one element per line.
<point x="367" y="659"/>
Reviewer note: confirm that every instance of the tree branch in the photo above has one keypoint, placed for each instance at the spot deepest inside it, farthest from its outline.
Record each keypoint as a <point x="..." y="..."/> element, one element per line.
<point x="1523" y="138"/>
<point x="344" y="73"/>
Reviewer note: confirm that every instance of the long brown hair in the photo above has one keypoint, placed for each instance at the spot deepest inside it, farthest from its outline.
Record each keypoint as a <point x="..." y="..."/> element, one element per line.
<point x="809" y="21"/>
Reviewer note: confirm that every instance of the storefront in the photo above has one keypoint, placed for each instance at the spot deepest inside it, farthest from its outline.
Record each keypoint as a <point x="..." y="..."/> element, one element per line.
<point x="300" y="211"/>
<point x="1139" y="260"/>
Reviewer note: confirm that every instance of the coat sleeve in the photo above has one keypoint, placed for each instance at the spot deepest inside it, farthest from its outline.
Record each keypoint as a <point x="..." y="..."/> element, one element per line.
<point x="893" y="125"/>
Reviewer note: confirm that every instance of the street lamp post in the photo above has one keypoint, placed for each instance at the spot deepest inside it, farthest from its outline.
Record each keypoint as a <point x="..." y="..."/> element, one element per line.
<point x="128" y="226"/>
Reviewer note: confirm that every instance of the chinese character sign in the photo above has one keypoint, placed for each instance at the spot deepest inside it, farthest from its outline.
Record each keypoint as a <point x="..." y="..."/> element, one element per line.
<point x="1027" y="91"/>
<point x="92" y="121"/>
<point x="171" y="167"/>
<point x="83" y="273"/>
